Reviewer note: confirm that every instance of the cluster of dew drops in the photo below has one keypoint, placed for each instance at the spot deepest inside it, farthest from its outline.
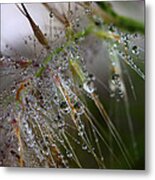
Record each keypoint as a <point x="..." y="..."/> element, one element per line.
<point x="129" y="50"/>
<point x="38" y="107"/>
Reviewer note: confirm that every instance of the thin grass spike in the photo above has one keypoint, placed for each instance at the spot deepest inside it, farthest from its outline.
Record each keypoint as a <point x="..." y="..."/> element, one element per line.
<point x="37" y="31"/>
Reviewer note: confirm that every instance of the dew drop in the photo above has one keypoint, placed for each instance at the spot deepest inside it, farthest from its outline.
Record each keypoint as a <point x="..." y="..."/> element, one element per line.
<point x="115" y="78"/>
<point x="88" y="86"/>
<point x="96" y="140"/>
<point x="79" y="107"/>
<point x="115" y="46"/>
<point x="71" y="12"/>
<point x="61" y="124"/>
<point x="117" y="90"/>
<point x="135" y="36"/>
<point x="91" y="77"/>
<point x="135" y="50"/>
<point x="69" y="154"/>
<point x="111" y="28"/>
<point x="51" y="14"/>
<point x="56" y="99"/>
<point x="84" y="147"/>
<point x="64" y="107"/>
<point x="19" y="148"/>
<point x="102" y="158"/>
<point x="87" y="11"/>
<point x="80" y="133"/>
<point x="57" y="118"/>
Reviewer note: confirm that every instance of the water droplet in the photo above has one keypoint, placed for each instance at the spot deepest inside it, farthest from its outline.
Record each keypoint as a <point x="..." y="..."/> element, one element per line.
<point x="115" y="78"/>
<point x="87" y="11"/>
<point x="69" y="154"/>
<point x="61" y="124"/>
<point x="117" y="89"/>
<point x="135" y="36"/>
<point x="115" y="46"/>
<point x="79" y="107"/>
<point x="51" y="14"/>
<point x="25" y="41"/>
<point x="91" y="77"/>
<point x="102" y="158"/>
<point x="77" y="24"/>
<point x="71" y="12"/>
<point x="80" y="133"/>
<point x="96" y="140"/>
<point x="129" y="58"/>
<point x="57" y="118"/>
<point x="19" y="148"/>
<point x="98" y="21"/>
<point x="29" y="131"/>
<point x="56" y="99"/>
<point x="135" y="50"/>
<point x="64" y="107"/>
<point x="84" y="147"/>
<point x="111" y="28"/>
<point x="88" y="86"/>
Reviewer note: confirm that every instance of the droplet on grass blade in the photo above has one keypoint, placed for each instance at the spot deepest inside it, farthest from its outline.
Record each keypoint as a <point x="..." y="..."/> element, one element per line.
<point x="88" y="86"/>
<point x="69" y="154"/>
<point x="135" y="50"/>
<point x="84" y="147"/>
<point x="64" y="107"/>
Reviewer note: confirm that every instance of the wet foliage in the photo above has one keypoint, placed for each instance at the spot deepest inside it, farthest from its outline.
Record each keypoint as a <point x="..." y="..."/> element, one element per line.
<point x="75" y="97"/>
